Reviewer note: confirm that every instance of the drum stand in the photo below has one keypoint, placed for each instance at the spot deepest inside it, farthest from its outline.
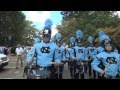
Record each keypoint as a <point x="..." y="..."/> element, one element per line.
<point x="74" y="69"/>
<point x="58" y="72"/>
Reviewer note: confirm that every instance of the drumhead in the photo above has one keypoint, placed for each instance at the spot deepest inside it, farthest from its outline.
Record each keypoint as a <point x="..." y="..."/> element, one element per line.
<point x="42" y="73"/>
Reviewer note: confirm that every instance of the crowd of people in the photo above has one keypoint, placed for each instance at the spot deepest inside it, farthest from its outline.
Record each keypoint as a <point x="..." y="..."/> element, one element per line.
<point x="102" y="62"/>
<point x="99" y="62"/>
<point x="4" y="49"/>
<point x="19" y="51"/>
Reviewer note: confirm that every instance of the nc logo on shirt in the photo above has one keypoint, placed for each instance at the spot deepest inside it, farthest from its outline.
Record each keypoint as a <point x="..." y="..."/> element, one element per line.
<point x="111" y="60"/>
<point x="91" y="50"/>
<point x="45" y="49"/>
<point x="59" y="51"/>
<point x="80" y="50"/>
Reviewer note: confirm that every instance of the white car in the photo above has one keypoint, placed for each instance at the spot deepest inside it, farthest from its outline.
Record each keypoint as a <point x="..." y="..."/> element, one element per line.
<point x="4" y="60"/>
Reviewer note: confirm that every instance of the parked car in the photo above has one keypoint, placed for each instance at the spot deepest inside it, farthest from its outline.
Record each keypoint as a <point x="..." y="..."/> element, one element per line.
<point x="4" y="60"/>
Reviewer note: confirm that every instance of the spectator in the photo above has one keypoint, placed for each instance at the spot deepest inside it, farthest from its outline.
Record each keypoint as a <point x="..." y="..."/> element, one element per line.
<point x="19" y="56"/>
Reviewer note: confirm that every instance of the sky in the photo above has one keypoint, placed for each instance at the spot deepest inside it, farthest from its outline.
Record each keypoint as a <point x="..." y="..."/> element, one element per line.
<point x="118" y="13"/>
<point x="38" y="18"/>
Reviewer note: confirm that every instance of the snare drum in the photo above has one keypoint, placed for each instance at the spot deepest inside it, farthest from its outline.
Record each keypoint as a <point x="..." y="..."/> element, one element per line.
<point x="42" y="73"/>
<point x="38" y="73"/>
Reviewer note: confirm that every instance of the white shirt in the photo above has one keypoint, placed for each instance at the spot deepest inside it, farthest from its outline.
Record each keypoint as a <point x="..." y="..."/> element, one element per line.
<point x="1" y="49"/>
<point x="19" y="51"/>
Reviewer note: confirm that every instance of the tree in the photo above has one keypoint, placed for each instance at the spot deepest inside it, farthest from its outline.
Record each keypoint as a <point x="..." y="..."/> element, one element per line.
<point x="11" y="24"/>
<point x="30" y="33"/>
<point x="14" y="29"/>
<point x="88" y="21"/>
<point x="114" y="33"/>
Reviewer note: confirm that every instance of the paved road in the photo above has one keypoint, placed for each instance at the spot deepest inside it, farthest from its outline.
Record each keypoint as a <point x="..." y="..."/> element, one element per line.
<point x="10" y="71"/>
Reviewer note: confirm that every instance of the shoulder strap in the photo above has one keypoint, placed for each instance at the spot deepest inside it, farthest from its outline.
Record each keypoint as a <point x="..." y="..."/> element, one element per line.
<point x="74" y="52"/>
<point x="35" y="55"/>
<point x="53" y="60"/>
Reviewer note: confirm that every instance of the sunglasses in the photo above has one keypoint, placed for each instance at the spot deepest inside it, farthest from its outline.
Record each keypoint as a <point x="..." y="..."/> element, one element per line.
<point x="108" y="45"/>
<point x="46" y="36"/>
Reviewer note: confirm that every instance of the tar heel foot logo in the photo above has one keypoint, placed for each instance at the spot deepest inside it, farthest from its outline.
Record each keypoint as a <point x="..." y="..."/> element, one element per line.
<point x="80" y="50"/>
<point x="111" y="60"/>
<point x="45" y="49"/>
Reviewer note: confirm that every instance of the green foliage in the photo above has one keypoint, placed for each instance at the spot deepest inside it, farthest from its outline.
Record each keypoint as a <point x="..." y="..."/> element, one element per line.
<point x="114" y="35"/>
<point x="13" y="23"/>
<point x="30" y="32"/>
<point x="90" y="23"/>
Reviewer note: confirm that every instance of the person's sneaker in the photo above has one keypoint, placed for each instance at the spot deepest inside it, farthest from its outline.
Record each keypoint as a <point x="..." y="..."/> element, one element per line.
<point x="16" y="67"/>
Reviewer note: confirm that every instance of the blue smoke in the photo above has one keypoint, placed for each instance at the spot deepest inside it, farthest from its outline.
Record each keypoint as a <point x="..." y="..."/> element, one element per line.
<point x="79" y="34"/>
<point x="101" y="33"/>
<point x="58" y="36"/>
<point x="53" y="39"/>
<point x="72" y="40"/>
<point x="104" y="37"/>
<point x="48" y="24"/>
<point x="90" y="38"/>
